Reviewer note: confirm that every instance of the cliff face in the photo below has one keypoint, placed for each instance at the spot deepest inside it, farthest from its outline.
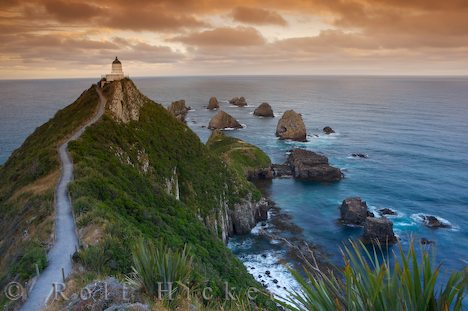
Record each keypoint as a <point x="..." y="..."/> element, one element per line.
<point x="138" y="172"/>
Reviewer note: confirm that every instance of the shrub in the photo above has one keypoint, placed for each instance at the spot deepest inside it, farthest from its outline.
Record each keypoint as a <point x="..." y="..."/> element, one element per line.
<point x="371" y="282"/>
<point x="155" y="267"/>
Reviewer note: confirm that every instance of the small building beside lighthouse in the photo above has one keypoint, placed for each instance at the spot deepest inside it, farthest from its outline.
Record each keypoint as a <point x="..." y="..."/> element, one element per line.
<point x="116" y="73"/>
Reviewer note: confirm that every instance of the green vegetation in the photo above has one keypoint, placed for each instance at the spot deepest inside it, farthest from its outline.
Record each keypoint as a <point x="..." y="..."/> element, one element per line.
<point x="27" y="183"/>
<point x="242" y="158"/>
<point x="370" y="282"/>
<point x="122" y="176"/>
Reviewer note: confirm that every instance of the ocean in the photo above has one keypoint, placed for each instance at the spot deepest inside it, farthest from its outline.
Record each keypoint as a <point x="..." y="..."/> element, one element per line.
<point x="413" y="129"/>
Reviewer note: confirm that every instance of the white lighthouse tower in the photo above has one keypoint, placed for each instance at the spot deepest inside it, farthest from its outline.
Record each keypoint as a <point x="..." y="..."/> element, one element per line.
<point x="116" y="73"/>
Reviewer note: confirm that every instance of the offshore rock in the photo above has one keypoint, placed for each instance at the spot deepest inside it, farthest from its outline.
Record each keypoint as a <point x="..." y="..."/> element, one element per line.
<point x="312" y="166"/>
<point x="291" y="126"/>
<point x="222" y="120"/>
<point x="213" y="103"/>
<point x="434" y="222"/>
<point x="353" y="211"/>
<point x="328" y="130"/>
<point x="378" y="230"/>
<point x="179" y="110"/>
<point x="264" y="110"/>
<point x="238" y="101"/>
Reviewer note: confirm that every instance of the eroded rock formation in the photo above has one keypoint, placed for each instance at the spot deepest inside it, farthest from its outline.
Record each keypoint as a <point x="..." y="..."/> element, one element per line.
<point x="291" y="126"/>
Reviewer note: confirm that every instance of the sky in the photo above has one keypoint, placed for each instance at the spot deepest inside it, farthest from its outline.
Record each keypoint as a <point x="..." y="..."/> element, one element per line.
<point x="65" y="39"/>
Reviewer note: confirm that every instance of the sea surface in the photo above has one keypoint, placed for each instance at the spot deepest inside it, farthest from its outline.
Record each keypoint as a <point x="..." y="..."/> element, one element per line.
<point x="414" y="131"/>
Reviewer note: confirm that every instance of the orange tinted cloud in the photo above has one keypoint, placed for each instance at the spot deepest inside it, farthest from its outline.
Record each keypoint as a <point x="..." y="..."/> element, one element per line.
<point x="257" y="16"/>
<point x="424" y="35"/>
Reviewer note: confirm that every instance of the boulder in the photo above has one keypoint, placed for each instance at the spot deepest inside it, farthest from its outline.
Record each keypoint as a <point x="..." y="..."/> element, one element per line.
<point x="387" y="211"/>
<point x="264" y="110"/>
<point x="328" y="130"/>
<point x="179" y="110"/>
<point x="425" y="241"/>
<point x="291" y="126"/>
<point x="312" y="166"/>
<point x="213" y="103"/>
<point x="378" y="230"/>
<point x="360" y="155"/>
<point x="353" y="211"/>
<point x="238" y="101"/>
<point x="434" y="222"/>
<point x="223" y="120"/>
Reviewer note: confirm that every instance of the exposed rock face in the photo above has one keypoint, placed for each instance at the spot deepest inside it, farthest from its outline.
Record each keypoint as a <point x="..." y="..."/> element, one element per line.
<point x="353" y="211"/>
<point x="328" y="130"/>
<point x="360" y="155"/>
<point x="282" y="171"/>
<point x="309" y="165"/>
<point x="387" y="211"/>
<point x="223" y="120"/>
<point x="108" y="294"/>
<point x="238" y="101"/>
<point x="246" y="214"/>
<point x="213" y="103"/>
<point x="124" y="100"/>
<point x="261" y="173"/>
<point x="179" y="110"/>
<point x="291" y="126"/>
<point x="264" y="110"/>
<point x="378" y="230"/>
<point x="434" y="222"/>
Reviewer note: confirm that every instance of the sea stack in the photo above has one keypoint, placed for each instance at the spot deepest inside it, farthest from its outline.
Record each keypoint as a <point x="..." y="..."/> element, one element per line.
<point x="291" y="126"/>
<point x="378" y="230"/>
<point x="238" y="101"/>
<point x="223" y="120"/>
<point x="354" y="211"/>
<point x="328" y="130"/>
<point x="213" y="103"/>
<point x="179" y="110"/>
<point x="264" y="110"/>
<point x="308" y="165"/>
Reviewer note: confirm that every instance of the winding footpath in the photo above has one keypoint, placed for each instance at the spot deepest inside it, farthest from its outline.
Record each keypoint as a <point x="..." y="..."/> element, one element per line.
<point x="66" y="240"/>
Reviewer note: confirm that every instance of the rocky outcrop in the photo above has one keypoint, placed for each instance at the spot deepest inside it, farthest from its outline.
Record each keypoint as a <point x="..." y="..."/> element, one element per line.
<point x="264" y="110"/>
<point x="124" y="100"/>
<point x="260" y="173"/>
<point x="213" y="103"/>
<point x="434" y="222"/>
<point x="179" y="110"/>
<point x="387" y="211"/>
<point x="238" y="101"/>
<point x="359" y="155"/>
<point x="282" y="171"/>
<point x="378" y="230"/>
<point x="246" y="214"/>
<point x="354" y="211"/>
<point x="223" y="120"/>
<point x="328" y="130"/>
<point x="312" y="166"/>
<point x="291" y="126"/>
<point x="108" y="294"/>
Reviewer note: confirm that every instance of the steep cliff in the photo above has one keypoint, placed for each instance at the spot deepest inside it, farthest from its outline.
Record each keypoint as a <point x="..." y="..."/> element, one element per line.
<point x="139" y="173"/>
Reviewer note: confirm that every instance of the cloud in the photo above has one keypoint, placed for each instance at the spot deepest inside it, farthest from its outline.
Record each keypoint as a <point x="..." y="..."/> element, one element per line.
<point x="257" y="16"/>
<point x="66" y="11"/>
<point x="224" y="36"/>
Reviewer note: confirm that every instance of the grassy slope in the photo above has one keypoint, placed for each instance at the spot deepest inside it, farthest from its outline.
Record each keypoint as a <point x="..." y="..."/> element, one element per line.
<point x="112" y="192"/>
<point x="239" y="155"/>
<point x="27" y="183"/>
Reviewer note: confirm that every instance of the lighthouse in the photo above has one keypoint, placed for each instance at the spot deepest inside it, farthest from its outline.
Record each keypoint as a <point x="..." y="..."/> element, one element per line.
<point x="116" y="73"/>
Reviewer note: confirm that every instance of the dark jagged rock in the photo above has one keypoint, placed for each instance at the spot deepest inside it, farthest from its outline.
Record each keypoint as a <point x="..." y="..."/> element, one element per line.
<point x="328" y="130"/>
<point x="259" y="174"/>
<point x="282" y="171"/>
<point x="246" y="214"/>
<point x="264" y="110"/>
<point x="378" y="230"/>
<point x="353" y="211"/>
<point x="179" y="110"/>
<point x="309" y="165"/>
<point x="223" y="120"/>
<point x="291" y="126"/>
<point x="360" y="155"/>
<point x="238" y="101"/>
<point x="425" y="241"/>
<point x="213" y="103"/>
<point x="434" y="222"/>
<point x="387" y="211"/>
